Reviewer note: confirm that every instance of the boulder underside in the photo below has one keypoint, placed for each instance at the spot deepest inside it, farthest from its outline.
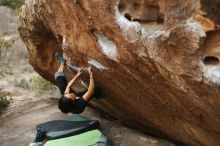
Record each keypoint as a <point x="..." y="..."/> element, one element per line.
<point x="156" y="60"/>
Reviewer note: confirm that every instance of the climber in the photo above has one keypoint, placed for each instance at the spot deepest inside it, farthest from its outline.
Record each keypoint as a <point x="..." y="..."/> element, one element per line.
<point x="69" y="100"/>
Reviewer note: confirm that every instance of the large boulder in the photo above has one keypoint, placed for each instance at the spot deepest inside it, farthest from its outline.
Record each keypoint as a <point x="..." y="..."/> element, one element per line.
<point x="156" y="60"/>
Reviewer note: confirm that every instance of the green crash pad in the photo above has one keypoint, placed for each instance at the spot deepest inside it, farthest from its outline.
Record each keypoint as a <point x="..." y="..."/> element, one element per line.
<point x="70" y="126"/>
<point x="84" y="139"/>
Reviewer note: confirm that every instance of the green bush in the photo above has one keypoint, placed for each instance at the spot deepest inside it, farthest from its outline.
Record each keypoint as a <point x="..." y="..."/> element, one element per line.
<point x="41" y="85"/>
<point x="4" y="62"/>
<point x="5" y="100"/>
<point x="14" y="4"/>
<point x="4" y="46"/>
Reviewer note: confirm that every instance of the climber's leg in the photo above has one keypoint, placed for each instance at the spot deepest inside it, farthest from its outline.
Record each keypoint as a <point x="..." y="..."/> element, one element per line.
<point x="61" y="68"/>
<point x="59" y="76"/>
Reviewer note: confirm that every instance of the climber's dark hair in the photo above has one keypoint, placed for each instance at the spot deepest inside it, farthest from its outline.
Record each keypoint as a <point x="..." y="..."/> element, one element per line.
<point x="65" y="104"/>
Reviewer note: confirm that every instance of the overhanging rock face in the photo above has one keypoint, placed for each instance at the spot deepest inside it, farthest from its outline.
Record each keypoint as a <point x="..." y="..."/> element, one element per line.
<point x="157" y="60"/>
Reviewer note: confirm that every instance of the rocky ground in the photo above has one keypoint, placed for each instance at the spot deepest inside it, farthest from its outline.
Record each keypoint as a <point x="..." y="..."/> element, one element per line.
<point x="32" y="105"/>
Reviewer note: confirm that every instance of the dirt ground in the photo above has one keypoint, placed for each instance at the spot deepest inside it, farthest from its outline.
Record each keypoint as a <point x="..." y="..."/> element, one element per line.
<point x="18" y="128"/>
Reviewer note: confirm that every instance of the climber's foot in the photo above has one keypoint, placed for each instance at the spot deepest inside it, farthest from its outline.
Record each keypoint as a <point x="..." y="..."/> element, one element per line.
<point x="59" y="58"/>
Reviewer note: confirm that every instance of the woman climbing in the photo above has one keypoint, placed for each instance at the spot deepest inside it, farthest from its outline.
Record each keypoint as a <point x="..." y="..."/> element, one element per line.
<point x="69" y="100"/>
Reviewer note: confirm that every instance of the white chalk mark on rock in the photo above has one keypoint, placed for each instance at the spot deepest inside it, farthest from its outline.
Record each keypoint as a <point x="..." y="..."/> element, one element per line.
<point x="108" y="47"/>
<point x="196" y="27"/>
<point x="130" y="30"/>
<point x="125" y="24"/>
<point x="96" y="64"/>
<point x="212" y="73"/>
<point x="72" y="67"/>
<point x="64" y="43"/>
<point x="84" y="84"/>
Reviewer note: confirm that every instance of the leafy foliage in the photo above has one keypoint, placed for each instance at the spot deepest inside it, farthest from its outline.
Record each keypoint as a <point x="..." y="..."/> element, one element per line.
<point x="14" y="4"/>
<point x="5" y="100"/>
<point x="4" y="46"/>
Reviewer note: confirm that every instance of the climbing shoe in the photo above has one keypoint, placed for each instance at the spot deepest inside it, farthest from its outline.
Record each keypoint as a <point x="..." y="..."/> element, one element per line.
<point x="59" y="58"/>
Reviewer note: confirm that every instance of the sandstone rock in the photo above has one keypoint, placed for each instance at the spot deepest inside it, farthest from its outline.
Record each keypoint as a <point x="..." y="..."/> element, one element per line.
<point x="157" y="60"/>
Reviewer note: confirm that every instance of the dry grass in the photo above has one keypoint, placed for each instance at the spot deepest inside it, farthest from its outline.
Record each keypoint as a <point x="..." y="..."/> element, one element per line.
<point x="41" y="85"/>
<point x="21" y="83"/>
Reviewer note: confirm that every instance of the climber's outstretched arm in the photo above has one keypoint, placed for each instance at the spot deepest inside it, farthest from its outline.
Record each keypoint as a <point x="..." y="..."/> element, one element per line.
<point x="90" y="91"/>
<point x="71" y="82"/>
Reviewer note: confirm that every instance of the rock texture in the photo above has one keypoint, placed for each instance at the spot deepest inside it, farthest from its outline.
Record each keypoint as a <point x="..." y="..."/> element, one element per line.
<point x="157" y="60"/>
